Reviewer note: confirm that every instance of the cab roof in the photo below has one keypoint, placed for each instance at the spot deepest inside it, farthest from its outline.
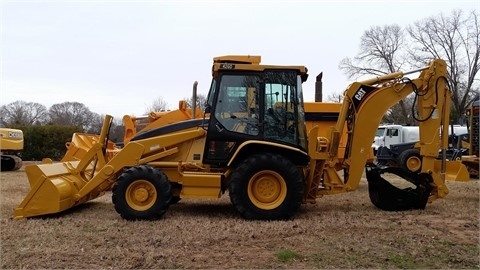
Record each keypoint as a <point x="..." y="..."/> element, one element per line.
<point x="250" y="63"/>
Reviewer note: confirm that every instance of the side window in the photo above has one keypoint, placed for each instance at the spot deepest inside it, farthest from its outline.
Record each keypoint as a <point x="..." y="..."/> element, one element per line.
<point x="280" y="107"/>
<point x="237" y="106"/>
<point x="211" y="94"/>
<point x="392" y="132"/>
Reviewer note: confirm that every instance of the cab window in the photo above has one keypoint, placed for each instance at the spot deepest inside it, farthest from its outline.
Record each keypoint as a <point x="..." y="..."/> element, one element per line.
<point x="281" y="106"/>
<point x="392" y="132"/>
<point x="237" y="106"/>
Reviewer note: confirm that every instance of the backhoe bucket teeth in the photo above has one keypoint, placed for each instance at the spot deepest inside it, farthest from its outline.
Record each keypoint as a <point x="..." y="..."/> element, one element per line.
<point x="388" y="197"/>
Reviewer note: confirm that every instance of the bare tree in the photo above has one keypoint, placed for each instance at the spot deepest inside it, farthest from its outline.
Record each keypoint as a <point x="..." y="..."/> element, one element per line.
<point x="201" y="101"/>
<point x="72" y="114"/>
<point x="395" y="114"/>
<point x="335" y="97"/>
<point x="116" y="129"/>
<point x="158" y="105"/>
<point x="380" y="53"/>
<point x="23" y="113"/>
<point x="454" y="38"/>
<point x="96" y="123"/>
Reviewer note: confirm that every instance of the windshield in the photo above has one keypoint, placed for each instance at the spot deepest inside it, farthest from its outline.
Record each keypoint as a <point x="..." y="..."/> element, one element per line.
<point x="380" y="132"/>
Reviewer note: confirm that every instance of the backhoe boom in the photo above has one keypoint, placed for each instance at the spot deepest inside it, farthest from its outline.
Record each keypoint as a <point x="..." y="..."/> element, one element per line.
<point x="363" y="107"/>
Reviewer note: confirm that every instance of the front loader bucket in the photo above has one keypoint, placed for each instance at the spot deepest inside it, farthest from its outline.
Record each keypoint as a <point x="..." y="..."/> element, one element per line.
<point x="55" y="187"/>
<point x="454" y="170"/>
<point x="388" y="197"/>
<point x="52" y="189"/>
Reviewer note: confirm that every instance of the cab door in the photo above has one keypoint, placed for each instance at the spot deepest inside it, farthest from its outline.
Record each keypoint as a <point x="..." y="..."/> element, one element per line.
<point x="392" y="136"/>
<point x="234" y="115"/>
<point x="263" y="106"/>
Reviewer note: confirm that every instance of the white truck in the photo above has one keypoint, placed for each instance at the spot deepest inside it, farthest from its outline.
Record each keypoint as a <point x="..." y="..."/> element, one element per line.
<point x="395" y="134"/>
<point x="393" y="145"/>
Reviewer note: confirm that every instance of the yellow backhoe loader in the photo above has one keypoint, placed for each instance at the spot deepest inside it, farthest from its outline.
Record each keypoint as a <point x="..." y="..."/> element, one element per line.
<point x="11" y="142"/>
<point x="253" y="143"/>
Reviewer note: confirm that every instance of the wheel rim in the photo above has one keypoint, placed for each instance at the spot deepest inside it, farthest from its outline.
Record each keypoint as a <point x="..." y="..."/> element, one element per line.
<point x="267" y="190"/>
<point x="141" y="195"/>
<point x="414" y="163"/>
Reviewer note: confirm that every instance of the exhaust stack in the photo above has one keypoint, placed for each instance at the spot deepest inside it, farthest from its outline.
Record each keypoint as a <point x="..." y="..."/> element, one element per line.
<point x="319" y="88"/>
<point x="194" y="99"/>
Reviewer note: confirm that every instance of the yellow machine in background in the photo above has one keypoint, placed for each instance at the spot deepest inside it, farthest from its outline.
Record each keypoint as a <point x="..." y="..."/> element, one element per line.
<point x="254" y="144"/>
<point x="134" y="125"/>
<point x="82" y="142"/>
<point x="472" y="159"/>
<point x="11" y="141"/>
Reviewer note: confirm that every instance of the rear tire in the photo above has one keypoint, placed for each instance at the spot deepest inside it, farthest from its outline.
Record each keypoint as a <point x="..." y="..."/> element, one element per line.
<point x="266" y="187"/>
<point x="410" y="160"/>
<point x="10" y="163"/>
<point x="141" y="193"/>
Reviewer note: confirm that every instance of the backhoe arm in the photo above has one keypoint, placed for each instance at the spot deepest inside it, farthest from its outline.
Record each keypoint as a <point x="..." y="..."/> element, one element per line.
<point x="364" y="105"/>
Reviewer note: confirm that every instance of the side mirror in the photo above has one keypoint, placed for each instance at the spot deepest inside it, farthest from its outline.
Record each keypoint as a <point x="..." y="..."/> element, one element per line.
<point x="208" y="108"/>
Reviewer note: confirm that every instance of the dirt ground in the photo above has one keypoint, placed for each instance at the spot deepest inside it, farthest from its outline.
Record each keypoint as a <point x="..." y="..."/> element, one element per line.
<point x="340" y="231"/>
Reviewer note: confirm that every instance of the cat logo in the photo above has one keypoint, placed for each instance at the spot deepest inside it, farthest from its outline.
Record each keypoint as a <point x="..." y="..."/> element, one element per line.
<point x="360" y="94"/>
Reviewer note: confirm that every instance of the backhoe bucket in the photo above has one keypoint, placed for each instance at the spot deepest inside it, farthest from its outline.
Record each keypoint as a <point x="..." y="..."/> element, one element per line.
<point x="386" y="196"/>
<point x="454" y="170"/>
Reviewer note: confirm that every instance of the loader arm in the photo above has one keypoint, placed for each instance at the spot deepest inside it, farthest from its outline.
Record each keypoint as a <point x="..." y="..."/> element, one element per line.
<point x="363" y="107"/>
<point x="56" y="187"/>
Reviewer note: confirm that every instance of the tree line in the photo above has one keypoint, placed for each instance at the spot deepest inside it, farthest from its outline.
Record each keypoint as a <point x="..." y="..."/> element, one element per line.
<point x="391" y="48"/>
<point x="47" y="130"/>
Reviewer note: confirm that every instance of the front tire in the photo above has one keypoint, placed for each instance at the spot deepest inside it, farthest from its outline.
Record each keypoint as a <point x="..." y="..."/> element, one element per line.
<point x="266" y="187"/>
<point x="410" y="160"/>
<point x="141" y="193"/>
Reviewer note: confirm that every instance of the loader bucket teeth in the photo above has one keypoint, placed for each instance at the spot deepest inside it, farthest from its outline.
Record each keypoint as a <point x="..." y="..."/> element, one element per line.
<point x="386" y="196"/>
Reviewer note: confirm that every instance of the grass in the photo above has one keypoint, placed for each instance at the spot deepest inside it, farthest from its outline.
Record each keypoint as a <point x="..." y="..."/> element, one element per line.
<point x="402" y="261"/>
<point x="287" y="255"/>
<point x="340" y="231"/>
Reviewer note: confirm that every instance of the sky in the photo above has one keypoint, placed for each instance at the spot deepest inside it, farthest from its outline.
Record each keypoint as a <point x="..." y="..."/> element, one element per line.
<point x="118" y="57"/>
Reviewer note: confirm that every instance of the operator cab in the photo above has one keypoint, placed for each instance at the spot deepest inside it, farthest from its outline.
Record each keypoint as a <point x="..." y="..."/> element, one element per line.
<point x="248" y="101"/>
